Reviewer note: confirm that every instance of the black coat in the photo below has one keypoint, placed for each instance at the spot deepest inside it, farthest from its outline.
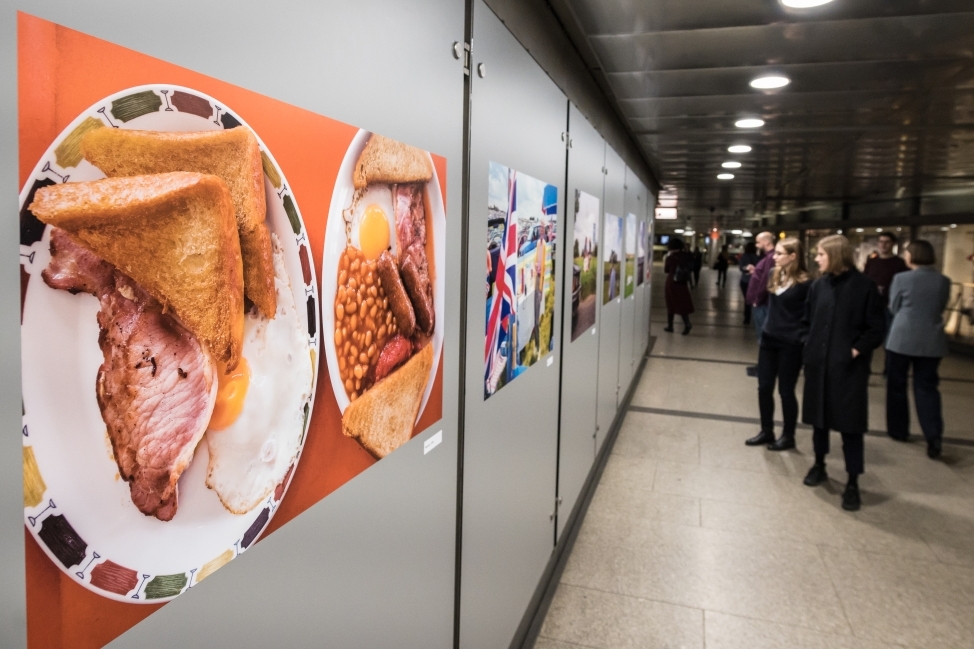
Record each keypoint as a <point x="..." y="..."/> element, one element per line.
<point x="842" y="312"/>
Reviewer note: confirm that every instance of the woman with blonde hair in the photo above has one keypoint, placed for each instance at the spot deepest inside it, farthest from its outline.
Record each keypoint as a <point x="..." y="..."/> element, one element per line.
<point x="846" y="320"/>
<point x="780" y="355"/>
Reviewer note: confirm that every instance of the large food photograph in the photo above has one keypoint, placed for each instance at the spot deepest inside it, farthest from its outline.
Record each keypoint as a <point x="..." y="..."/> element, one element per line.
<point x="522" y="218"/>
<point x="169" y="337"/>
<point x="585" y="253"/>
<point x="382" y="290"/>
<point x="641" y="254"/>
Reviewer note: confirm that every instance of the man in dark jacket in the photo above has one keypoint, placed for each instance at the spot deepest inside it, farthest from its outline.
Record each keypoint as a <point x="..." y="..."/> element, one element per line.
<point x="757" y="287"/>
<point x="846" y="320"/>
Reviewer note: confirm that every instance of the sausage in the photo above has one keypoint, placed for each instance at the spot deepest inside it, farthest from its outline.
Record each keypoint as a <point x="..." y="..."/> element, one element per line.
<point x="395" y="352"/>
<point x="418" y="287"/>
<point x="399" y="304"/>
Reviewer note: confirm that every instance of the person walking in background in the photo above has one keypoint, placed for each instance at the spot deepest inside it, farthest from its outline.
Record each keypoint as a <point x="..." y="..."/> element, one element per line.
<point x="780" y="355"/>
<point x="757" y="289"/>
<point x="749" y="258"/>
<point x="846" y="321"/>
<point x="883" y="265"/>
<point x="697" y="266"/>
<point x="721" y="267"/>
<point x="917" y="300"/>
<point x="678" y="268"/>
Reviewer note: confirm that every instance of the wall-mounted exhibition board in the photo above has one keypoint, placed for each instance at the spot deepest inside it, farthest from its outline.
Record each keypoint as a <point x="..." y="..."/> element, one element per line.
<point x="517" y="183"/>
<point x="611" y="258"/>
<point x="582" y="291"/>
<point x="342" y="549"/>
<point x="645" y="258"/>
<point x="635" y="204"/>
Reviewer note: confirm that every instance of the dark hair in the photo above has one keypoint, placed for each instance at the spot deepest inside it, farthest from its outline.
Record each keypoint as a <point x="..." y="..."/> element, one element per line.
<point x="676" y="243"/>
<point x="750" y="248"/>
<point x="921" y="253"/>
<point x="892" y="237"/>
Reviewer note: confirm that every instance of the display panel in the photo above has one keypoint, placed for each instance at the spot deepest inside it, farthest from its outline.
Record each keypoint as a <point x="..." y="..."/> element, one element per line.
<point x="522" y="215"/>
<point x="630" y="268"/>
<point x="585" y="254"/>
<point x="641" y="254"/>
<point x="612" y="258"/>
<point x="258" y="186"/>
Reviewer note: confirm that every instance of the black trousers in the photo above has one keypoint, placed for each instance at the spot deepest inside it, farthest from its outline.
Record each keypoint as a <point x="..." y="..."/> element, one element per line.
<point x="852" y="447"/>
<point x="696" y="276"/>
<point x="747" y="307"/>
<point x="722" y="277"/>
<point x="782" y="362"/>
<point x="669" y="320"/>
<point x="925" y="392"/>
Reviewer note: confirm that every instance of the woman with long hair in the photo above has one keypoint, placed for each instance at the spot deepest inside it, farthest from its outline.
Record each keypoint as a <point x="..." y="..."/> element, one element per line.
<point x="678" y="268"/>
<point x="846" y="320"/>
<point x="917" y="300"/>
<point x="780" y="353"/>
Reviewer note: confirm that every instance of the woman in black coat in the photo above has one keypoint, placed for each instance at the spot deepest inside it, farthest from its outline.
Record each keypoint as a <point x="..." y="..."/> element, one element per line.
<point x="846" y="321"/>
<point x="678" y="268"/>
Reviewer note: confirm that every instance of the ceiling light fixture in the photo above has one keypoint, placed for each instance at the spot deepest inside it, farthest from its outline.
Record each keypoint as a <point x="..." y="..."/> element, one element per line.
<point x="678" y="231"/>
<point x="859" y="230"/>
<point x="737" y="231"/>
<point x="725" y="176"/>
<point x="739" y="148"/>
<point x="804" y="4"/>
<point x="731" y="165"/>
<point x="770" y="82"/>
<point x="750" y="122"/>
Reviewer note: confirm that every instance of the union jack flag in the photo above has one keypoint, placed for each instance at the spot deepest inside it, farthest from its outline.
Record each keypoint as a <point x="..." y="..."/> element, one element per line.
<point x="502" y="308"/>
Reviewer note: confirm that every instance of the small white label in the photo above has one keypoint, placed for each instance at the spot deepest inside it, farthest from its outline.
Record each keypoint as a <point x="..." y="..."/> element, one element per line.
<point x="551" y="359"/>
<point x="432" y="442"/>
<point x="593" y="331"/>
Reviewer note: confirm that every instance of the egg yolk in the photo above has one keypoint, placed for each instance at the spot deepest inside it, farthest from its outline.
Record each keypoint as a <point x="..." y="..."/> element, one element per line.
<point x="373" y="232"/>
<point x="230" y="394"/>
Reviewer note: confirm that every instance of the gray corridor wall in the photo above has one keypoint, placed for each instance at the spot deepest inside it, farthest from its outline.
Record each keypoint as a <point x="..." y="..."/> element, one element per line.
<point x="374" y="564"/>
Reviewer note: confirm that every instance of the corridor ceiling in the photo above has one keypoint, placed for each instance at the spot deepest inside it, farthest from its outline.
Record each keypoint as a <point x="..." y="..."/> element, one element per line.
<point x="880" y="104"/>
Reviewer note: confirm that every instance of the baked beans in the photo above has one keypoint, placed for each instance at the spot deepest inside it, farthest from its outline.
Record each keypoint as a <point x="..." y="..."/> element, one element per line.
<point x="363" y="322"/>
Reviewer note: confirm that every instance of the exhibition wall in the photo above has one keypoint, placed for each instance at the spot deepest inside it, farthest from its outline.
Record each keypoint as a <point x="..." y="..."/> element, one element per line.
<point x="459" y="303"/>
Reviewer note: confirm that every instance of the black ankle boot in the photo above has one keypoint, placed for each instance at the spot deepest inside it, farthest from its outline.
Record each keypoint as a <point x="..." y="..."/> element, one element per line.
<point x="935" y="448"/>
<point x="783" y="443"/>
<point x="686" y="329"/>
<point x="761" y="439"/>
<point x="851" y="501"/>
<point x="816" y="475"/>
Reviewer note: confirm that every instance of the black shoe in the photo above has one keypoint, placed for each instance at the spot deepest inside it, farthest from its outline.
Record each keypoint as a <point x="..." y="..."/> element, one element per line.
<point x="752" y="370"/>
<point x="816" y="475"/>
<point x="851" y="502"/>
<point x="668" y="329"/>
<point x="760" y="439"/>
<point x="900" y="438"/>
<point x="687" y="329"/>
<point x="783" y="443"/>
<point x="935" y="448"/>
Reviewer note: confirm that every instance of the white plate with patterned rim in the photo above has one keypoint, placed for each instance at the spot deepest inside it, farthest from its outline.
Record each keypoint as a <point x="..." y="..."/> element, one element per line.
<point x="75" y="504"/>
<point x="335" y="243"/>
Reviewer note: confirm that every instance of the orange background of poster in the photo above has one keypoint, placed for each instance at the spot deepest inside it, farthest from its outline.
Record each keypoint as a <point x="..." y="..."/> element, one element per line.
<point x="61" y="73"/>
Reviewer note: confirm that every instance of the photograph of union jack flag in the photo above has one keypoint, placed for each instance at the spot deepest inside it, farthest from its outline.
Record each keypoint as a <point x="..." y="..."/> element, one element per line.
<point x="522" y="217"/>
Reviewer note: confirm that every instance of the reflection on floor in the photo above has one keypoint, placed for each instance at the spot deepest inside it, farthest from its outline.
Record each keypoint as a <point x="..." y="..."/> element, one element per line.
<point x="694" y="540"/>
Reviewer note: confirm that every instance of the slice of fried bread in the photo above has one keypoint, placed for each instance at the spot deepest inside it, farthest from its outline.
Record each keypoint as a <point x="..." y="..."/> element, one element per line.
<point x="382" y="419"/>
<point x="233" y="155"/>
<point x="388" y="161"/>
<point x="174" y="234"/>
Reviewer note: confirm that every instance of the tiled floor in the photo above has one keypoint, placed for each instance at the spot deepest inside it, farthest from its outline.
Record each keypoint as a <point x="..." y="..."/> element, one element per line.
<point x="693" y="540"/>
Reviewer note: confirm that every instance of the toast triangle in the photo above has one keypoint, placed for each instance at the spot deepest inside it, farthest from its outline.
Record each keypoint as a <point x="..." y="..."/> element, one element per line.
<point x="233" y="155"/>
<point x="388" y="161"/>
<point x="174" y="234"/>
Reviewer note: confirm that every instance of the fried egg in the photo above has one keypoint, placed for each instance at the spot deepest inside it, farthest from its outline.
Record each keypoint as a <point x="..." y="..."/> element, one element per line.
<point x="257" y="426"/>
<point x="373" y="221"/>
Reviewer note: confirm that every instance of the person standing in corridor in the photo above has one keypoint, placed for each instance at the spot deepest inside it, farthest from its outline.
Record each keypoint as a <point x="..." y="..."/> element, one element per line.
<point x="721" y="265"/>
<point x="846" y="321"/>
<point x="917" y="300"/>
<point x="678" y="268"/>
<point x="749" y="259"/>
<point x="883" y="265"/>
<point x="780" y="356"/>
<point x="757" y="289"/>
<point x="697" y="266"/>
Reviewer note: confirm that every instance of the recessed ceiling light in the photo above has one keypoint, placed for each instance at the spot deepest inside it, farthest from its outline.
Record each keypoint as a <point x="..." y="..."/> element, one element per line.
<point x="859" y="230"/>
<point x="678" y="231"/>
<point x="804" y="4"/>
<point x="953" y="225"/>
<point x="770" y="82"/>
<point x="737" y="231"/>
<point x="739" y="148"/>
<point x="750" y="122"/>
<point x="731" y="165"/>
<point x="879" y="229"/>
<point x="725" y="176"/>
